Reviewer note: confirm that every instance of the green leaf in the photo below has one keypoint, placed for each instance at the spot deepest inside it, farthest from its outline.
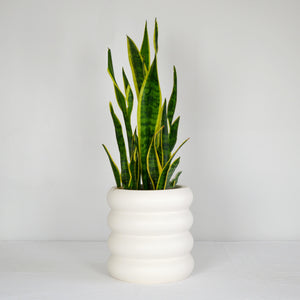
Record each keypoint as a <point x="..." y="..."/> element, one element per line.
<point x="129" y="101"/>
<point x="173" y="98"/>
<point x="173" y="134"/>
<point x="152" y="167"/>
<point x="153" y="164"/>
<point x="165" y="135"/>
<point x="119" y="95"/>
<point x="125" y="80"/>
<point x="155" y="38"/>
<point x="125" y="175"/>
<point x="171" y="171"/>
<point x="120" y="99"/>
<point x="148" y="111"/>
<point x="133" y="166"/>
<point x="136" y="64"/>
<point x="175" y="180"/>
<point x="122" y="104"/>
<point x="145" y="49"/>
<point x="127" y="118"/>
<point x="110" y="68"/>
<point x="114" y="168"/>
<point x="162" y="181"/>
<point x="137" y="158"/>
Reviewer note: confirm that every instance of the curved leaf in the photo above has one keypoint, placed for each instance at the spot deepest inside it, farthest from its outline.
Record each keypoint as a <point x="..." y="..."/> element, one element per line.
<point x="148" y="110"/>
<point x="173" y="134"/>
<point x="120" y="99"/>
<point x="133" y="183"/>
<point x="122" y="104"/>
<point x="125" y="174"/>
<point x="162" y="181"/>
<point x="171" y="171"/>
<point x="175" y="180"/>
<point x="153" y="164"/>
<point x="114" y="168"/>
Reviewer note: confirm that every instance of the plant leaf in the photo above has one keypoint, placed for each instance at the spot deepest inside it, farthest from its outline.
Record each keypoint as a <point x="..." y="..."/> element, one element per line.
<point x="173" y="134"/>
<point x="153" y="164"/>
<point x="125" y="174"/>
<point x="145" y="49"/>
<point x="120" y="99"/>
<point x="136" y="64"/>
<point x="155" y="38"/>
<point x="165" y="135"/>
<point x="175" y="180"/>
<point x="171" y="171"/>
<point x="138" y="161"/>
<point x="148" y="111"/>
<point x="119" y="95"/>
<point x="125" y="80"/>
<point x="162" y="181"/>
<point x="173" y="98"/>
<point x="122" y="104"/>
<point x="114" y="168"/>
<point x="129" y="101"/>
<point x="110" y="67"/>
<point x="133" y="170"/>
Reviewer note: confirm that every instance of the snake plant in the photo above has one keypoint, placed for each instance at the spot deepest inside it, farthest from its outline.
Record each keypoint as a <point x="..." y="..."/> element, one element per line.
<point x="148" y="161"/>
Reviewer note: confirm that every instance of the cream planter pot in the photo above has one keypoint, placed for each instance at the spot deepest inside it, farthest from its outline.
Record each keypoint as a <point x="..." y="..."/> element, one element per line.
<point x="150" y="241"/>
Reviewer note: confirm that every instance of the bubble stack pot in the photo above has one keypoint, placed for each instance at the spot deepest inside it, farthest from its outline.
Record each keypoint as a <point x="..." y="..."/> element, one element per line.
<point x="150" y="241"/>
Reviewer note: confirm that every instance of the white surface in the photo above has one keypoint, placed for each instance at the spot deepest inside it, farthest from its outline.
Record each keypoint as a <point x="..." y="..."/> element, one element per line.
<point x="150" y="240"/>
<point x="238" y="74"/>
<point x="76" y="270"/>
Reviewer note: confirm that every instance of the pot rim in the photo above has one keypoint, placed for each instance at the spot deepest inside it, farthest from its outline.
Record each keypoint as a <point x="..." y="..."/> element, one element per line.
<point x="150" y="200"/>
<point x="178" y="187"/>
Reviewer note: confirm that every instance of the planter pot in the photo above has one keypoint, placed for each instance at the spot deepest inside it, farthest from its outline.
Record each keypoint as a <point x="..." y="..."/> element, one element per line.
<point x="150" y="240"/>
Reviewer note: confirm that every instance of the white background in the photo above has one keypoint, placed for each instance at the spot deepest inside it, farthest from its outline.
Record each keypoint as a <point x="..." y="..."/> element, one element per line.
<point x="239" y="100"/>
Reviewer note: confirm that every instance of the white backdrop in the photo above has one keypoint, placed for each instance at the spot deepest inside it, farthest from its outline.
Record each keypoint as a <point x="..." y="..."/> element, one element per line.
<point x="239" y="99"/>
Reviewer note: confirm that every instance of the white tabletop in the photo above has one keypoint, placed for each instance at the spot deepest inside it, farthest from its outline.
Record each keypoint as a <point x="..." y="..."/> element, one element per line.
<point x="76" y="270"/>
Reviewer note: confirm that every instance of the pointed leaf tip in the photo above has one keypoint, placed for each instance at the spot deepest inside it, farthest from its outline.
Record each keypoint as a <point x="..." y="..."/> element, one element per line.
<point x="145" y="48"/>
<point x="155" y="37"/>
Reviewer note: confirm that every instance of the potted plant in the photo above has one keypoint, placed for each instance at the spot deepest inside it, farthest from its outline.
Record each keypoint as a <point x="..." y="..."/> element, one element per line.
<point x="150" y="217"/>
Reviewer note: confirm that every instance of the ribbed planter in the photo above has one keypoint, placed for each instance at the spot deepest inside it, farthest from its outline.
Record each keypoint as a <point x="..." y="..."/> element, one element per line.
<point x="150" y="240"/>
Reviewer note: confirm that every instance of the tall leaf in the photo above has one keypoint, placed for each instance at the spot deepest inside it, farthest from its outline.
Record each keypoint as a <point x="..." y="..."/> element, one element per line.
<point x="114" y="168"/>
<point x="145" y="49"/>
<point x="148" y="110"/>
<point x="125" y="173"/>
<point x="173" y="98"/>
<point x="136" y="64"/>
